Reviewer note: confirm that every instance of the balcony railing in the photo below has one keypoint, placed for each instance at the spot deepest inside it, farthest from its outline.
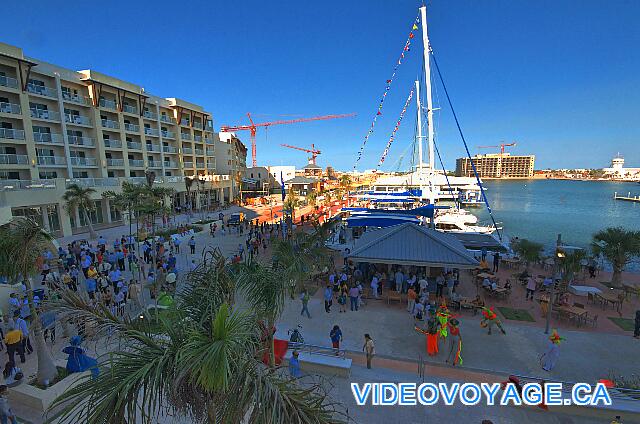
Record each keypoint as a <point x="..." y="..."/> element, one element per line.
<point x="187" y="151"/>
<point x="131" y="127"/>
<point x="200" y="165"/>
<point x="77" y="119"/>
<point x="129" y="109"/>
<point x="51" y="160"/>
<point x="197" y="125"/>
<point x="168" y="119"/>
<point x="10" y="108"/>
<point x="185" y="136"/>
<point x="76" y="99"/>
<point x="197" y="138"/>
<point x="199" y="152"/>
<point x="169" y="149"/>
<point x="27" y="184"/>
<point x="111" y="143"/>
<point x="115" y="162"/>
<point x="134" y="145"/>
<point x="155" y="164"/>
<point x="48" y="115"/>
<point x="136" y="162"/>
<point x="208" y="140"/>
<point x="170" y="164"/>
<point x="210" y="152"/>
<point x="108" y="123"/>
<point x="11" y="134"/>
<point x="81" y="141"/>
<point x="184" y="122"/>
<point x="8" y="82"/>
<point x="93" y="182"/>
<point x="48" y="138"/>
<point x="168" y="134"/>
<point x="150" y="115"/>
<point x="107" y="104"/>
<point x="188" y="164"/>
<point x="153" y="147"/>
<point x="80" y="161"/>
<point x="13" y="159"/>
<point x="208" y="127"/>
<point x="42" y="90"/>
<point x="151" y="131"/>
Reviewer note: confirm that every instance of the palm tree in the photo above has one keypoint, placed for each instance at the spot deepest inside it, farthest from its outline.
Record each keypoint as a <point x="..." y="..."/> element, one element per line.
<point x="188" y="183"/>
<point x="529" y="251"/>
<point x="200" y="359"/>
<point x="79" y="198"/>
<point x="570" y="265"/>
<point x="619" y="247"/>
<point x="22" y="243"/>
<point x="291" y="202"/>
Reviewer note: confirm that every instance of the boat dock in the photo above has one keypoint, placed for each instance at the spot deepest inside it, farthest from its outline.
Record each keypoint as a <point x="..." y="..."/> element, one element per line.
<point x="628" y="197"/>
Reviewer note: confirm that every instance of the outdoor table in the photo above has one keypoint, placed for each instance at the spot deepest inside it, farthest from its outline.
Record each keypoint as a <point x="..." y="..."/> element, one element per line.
<point x="500" y="291"/>
<point x="630" y="288"/>
<point x="510" y="262"/>
<point x="609" y="298"/>
<point x="573" y="311"/>
<point x="484" y="275"/>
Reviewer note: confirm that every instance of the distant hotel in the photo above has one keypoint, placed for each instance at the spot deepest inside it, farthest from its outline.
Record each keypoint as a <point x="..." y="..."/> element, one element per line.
<point x="618" y="171"/>
<point x="497" y="165"/>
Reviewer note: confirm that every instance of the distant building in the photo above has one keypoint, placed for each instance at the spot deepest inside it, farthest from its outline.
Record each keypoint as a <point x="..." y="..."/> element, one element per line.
<point x="618" y="171"/>
<point x="267" y="178"/>
<point x="312" y="170"/>
<point x="497" y="165"/>
<point x="284" y="172"/>
<point x="303" y="185"/>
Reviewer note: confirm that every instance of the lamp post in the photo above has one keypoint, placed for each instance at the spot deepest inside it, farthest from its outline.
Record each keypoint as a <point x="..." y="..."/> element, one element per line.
<point x="559" y="255"/>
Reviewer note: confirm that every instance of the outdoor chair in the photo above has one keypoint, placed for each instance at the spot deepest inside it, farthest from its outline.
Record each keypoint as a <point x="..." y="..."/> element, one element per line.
<point x="393" y="295"/>
<point x="592" y="320"/>
<point x="591" y="298"/>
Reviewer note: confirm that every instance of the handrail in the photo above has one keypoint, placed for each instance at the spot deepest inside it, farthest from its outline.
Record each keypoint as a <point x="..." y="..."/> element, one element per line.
<point x="318" y="350"/>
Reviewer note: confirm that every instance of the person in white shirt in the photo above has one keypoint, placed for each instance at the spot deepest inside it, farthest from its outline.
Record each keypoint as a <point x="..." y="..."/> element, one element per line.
<point x="424" y="285"/>
<point x="374" y="285"/>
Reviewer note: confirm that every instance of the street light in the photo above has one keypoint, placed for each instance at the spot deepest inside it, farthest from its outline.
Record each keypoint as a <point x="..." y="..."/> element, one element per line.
<point x="560" y="254"/>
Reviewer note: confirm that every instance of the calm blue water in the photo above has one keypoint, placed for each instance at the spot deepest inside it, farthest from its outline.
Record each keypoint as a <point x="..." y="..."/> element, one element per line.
<point x="539" y="210"/>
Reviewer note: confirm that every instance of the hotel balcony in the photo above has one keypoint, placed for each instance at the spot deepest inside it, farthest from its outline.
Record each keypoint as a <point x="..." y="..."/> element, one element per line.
<point x="48" y="138"/>
<point x="42" y="90"/>
<point x="81" y="141"/>
<point x="134" y="145"/>
<point x="11" y="134"/>
<point x="108" y="123"/>
<point x="155" y="164"/>
<point x="80" y="161"/>
<point x="107" y="104"/>
<point x="153" y="147"/>
<point x="51" y="161"/>
<point x="93" y="182"/>
<point x="14" y="159"/>
<point x="77" y="119"/>
<point x="170" y="164"/>
<point x="200" y="165"/>
<point x="208" y="140"/>
<point x="167" y="119"/>
<point x="169" y="149"/>
<point x="47" y="115"/>
<point x="151" y="131"/>
<point x="131" y="127"/>
<point x="8" y="82"/>
<point x="187" y="151"/>
<point x="76" y="99"/>
<point x="210" y="151"/>
<point x="188" y="164"/>
<point x="115" y="162"/>
<point x="150" y="115"/>
<point x="197" y="125"/>
<point x="10" y="108"/>
<point x="199" y="152"/>
<point x="168" y="134"/>
<point x="185" y="136"/>
<point x="112" y="144"/>
<point x="208" y="128"/>
<point x="184" y="122"/>
<point x="197" y="138"/>
<point x="138" y="163"/>
<point x="130" y="109"/>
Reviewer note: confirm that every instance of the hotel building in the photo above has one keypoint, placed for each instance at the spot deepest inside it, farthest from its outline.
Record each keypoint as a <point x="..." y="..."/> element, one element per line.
<point x="497" y="165"/>
<point x="59" y="127"/>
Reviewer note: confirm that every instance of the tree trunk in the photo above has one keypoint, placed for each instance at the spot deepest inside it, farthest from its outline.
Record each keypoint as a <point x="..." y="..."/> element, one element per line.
<point x="616" y="277"/>
<point x="46" y="366"/>
<point x="92" y="232"/>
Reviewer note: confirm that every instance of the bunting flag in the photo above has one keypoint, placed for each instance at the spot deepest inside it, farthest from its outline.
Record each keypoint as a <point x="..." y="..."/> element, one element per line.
<point x="395" y="129"/>
<point x="407" y="44"/>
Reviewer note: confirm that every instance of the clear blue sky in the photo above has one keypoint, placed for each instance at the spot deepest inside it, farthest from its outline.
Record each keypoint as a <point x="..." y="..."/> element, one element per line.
<point x="560" y="77"/>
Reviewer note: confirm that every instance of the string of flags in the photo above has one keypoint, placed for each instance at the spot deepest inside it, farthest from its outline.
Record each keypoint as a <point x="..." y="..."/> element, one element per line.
<point x="406" y="48"/>
<point x="395" y="129"/>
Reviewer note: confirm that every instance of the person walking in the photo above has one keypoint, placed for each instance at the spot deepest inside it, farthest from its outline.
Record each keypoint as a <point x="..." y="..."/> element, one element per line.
<point x="375" y="283"/>
<point x="328" y="298"/>
<point x="192" y="245"/>
<point x="13" y="341"/>
<point x="304" y="297"/>
<point x="411" y="300"/>
<point x="22" y="325"/>
<point x="440" y="281"/>
<point x="353" y="297"/>
<point x="369" y="349"/>
<point x="6" y="414"/>
<point x="531" y="288"/>
<point x="549" y="359"/>
<point x="294" y="365"/>
<point x="336" y="338"/>
<point x="496" y="261"/>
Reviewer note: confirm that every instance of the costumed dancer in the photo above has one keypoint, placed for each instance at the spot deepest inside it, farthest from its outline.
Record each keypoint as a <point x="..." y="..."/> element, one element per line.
<point x="490" y="318"/>
<point x="78" y="361"/>
<point x="550" y="357"/>
<point x="443" y="315"/>
<point x="455" y="343"/>
<point x="431" y="332"/>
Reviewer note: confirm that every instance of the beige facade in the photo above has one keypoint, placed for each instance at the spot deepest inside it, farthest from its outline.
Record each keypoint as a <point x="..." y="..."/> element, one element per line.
<point x="59" y="126"/>
<point x="497" y="166"/>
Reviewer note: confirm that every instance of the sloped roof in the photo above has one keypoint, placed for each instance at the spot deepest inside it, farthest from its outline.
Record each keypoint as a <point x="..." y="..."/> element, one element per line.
<point x="311" y="166"/>
<point x="301" y="180"/>
<point x="411" y="244"/>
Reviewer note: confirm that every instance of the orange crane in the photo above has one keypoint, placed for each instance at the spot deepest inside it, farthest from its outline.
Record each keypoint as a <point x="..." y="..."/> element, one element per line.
<point x="253" y="127"/>
<point x="313" y="151"/>
<point x="501" y="146"/>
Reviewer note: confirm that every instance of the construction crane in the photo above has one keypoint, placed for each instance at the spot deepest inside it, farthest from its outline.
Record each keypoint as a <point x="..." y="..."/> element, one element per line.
<point x="501" y="146"/>
<point x="253" y="127"/>
<point x="313" y="151"/>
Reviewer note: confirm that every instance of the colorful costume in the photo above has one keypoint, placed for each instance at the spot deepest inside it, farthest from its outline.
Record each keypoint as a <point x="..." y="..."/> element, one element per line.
<point x="432" y="336"/>
<point x="443" y="315"/>
<point x="455" y="343"/>
<point x="78" y="361"/>
<point x="490" y="318"/>
<point x="550" y="357"/>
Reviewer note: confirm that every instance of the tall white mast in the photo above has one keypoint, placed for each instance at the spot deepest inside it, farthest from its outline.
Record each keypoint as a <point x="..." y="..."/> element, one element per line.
<point x="427" y="84"/>
<point x="419" y="135"/>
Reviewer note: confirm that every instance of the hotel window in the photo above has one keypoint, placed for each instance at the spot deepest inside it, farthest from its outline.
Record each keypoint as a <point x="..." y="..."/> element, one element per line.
<point x="9" y="175"/>
<point x="47" y="175"/>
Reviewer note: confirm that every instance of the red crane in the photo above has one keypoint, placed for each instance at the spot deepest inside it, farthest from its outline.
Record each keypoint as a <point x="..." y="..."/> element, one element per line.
<point x="313" y="151"/>
<point x="501" y="146"/>
<point x="253" y="127"/>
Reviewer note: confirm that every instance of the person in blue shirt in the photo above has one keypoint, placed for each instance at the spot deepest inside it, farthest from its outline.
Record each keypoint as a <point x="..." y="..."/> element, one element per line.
<point x="120" y="259"/>
<point x="192" y="245"/>
<point x="85" y="261"/>
<point x="78" y="361"/>
<point x="328" y="298"/>
<point x="171" y="261"/>
<point x="91" y="288"/>
<point x="294" y="365"/>
<point x="336" y="338"/>
<point x="176" y="243"/>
